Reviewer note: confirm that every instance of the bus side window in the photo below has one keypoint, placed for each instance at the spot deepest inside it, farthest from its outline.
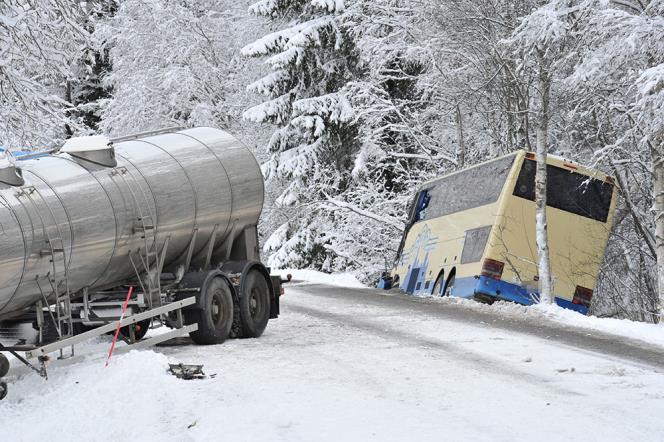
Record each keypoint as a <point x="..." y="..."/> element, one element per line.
<point x="423" y="200"/>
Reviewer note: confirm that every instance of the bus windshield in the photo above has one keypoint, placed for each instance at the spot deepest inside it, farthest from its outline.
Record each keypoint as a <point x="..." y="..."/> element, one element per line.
<point x="567" y="190"/>
<point x="467" y="189"/>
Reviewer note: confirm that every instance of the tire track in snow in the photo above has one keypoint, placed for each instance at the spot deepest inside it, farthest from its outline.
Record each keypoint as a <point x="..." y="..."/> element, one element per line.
<point x="585" y="340"/>
<point x="472" y="359"/>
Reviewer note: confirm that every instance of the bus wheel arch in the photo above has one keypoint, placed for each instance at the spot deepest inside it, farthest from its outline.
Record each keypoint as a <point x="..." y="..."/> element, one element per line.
<point x="449" y="282"/>
<point x="438" y="285"/>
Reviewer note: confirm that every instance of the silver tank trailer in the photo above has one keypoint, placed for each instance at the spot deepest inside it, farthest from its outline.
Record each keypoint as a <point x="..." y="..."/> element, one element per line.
<point x="192" y="187"/>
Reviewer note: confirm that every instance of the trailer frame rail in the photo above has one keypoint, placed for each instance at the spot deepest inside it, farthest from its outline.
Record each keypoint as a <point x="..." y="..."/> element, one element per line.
<point x="111" y="326"/>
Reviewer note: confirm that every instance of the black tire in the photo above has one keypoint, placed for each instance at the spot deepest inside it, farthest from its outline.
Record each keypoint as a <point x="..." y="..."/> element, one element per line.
<point x="449" y="285"/>
<point x="81" y="328"/>
<point x="4" y="365"/>
<point x="214" y="314"/>
<point x="437" y="289"/>
<point x="3" y="390"/>
<point x="254" y="304"/>
<point x="140" y="330"/>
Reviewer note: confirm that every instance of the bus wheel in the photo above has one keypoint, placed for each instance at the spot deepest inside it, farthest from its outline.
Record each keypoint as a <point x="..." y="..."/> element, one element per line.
<point x="449" y="285"/>
<point x="438" y="286"/>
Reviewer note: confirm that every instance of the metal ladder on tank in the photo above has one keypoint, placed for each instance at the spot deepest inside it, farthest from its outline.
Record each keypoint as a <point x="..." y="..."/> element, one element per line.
<point x="63" y="311"/>
<point x="151" y="259"/>
<point x="55" y="249"/>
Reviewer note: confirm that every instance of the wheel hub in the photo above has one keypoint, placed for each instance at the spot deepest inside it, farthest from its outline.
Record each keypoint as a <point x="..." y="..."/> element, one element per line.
<point x="253" y="303"/>
<point x="215" y="309"/>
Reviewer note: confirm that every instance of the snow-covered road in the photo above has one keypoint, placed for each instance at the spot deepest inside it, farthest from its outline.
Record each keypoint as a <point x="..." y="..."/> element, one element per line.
<point x="355" y="364"/>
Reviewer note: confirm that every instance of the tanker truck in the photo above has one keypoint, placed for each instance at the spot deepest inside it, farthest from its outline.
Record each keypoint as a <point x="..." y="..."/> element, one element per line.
<point x="153" y="229"/>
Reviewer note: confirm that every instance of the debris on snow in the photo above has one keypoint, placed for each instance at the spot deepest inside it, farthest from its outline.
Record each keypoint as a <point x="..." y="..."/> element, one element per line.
<point x="186" y="372"/>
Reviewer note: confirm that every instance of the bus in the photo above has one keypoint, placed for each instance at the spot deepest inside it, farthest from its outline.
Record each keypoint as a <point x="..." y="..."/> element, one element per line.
<point x="471" y="233"/>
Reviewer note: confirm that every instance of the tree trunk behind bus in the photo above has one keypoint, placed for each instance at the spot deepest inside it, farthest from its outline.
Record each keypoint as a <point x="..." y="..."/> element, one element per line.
<point x="544" y="265"/>
<point x="461" y="151"/>
<point x="658" y="190"/>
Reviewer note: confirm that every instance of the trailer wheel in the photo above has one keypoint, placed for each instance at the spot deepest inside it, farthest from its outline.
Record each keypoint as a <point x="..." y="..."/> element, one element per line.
<point x="141" y="329"/>
<point x="214" y="315"/>
<point x="4" y="365"/>
<point x="3" y="390"/>
<point x="254" y="304"/>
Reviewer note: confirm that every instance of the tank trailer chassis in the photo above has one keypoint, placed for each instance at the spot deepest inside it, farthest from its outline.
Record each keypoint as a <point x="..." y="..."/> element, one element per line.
<point x="186" y="304"/>
<point x="40" y="351"/>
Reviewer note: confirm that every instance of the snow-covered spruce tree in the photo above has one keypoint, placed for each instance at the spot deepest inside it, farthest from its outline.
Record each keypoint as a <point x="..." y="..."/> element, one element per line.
<point x="39" y="44"/>
<point x="403" y="141"/>
<point x="176" y="63"/>
<point x="312" y="57"/>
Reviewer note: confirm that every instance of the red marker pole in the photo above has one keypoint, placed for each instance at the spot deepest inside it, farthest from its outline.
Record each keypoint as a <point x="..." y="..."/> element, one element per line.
<point x="117" y="331"/>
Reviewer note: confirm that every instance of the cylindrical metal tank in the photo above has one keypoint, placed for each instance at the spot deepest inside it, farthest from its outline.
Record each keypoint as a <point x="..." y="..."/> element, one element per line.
<point x="87" y="218"/>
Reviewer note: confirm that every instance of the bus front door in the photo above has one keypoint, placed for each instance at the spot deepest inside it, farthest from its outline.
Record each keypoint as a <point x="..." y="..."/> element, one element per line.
<point x="412" y="280"/>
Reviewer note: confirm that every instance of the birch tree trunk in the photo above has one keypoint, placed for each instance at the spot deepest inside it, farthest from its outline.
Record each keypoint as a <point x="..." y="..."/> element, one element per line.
<point x="658" y="194"/>
<point x="542" y="238"/>
<point x="461" y="153"/>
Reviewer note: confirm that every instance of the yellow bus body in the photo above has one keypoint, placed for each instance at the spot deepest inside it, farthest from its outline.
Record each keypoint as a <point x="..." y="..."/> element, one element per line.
<point x="489" y="251"/>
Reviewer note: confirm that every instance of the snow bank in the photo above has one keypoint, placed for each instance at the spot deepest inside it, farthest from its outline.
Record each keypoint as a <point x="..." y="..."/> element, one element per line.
<point x="133" y="398"/>
<point x="314" y="276"/>
<point x="650" y="333"/>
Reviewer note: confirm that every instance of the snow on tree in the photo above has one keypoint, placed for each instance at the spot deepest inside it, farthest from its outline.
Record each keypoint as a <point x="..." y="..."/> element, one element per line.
<point x="39" y="43"/>
<point x="312" y="57"/>
<point x="87" y="91"/>
<point x="542" y="40"/>
<point x="621" y="109"/>
<point x="406" y="95"/>
<point x="400" y="143"/>
<point x="360" y="102"/>
<point x="175" y="63"/>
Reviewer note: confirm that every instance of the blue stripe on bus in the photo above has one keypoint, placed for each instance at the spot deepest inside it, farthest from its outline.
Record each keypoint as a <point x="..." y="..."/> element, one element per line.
<point x="570" y="305"/>
<point x="470" y="286"/>
<point x="515" y="293"/>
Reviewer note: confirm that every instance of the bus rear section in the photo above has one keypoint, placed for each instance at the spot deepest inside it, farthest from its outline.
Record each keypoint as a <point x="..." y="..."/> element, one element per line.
<point x="580" y="207"/>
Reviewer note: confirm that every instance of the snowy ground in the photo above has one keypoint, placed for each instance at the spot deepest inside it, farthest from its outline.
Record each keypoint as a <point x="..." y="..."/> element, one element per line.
<point x="344" y="363"/>
<point x="648" y="333"/>
<point x="335" y="279"/>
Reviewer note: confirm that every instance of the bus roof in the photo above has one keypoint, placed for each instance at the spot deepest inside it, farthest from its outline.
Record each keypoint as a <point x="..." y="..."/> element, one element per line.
<point x="553" y="160"/>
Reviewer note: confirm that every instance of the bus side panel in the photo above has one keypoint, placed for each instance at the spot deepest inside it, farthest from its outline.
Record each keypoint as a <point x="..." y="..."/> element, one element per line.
<point x="436" y="245"/>
<point x="453" y="242"/>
